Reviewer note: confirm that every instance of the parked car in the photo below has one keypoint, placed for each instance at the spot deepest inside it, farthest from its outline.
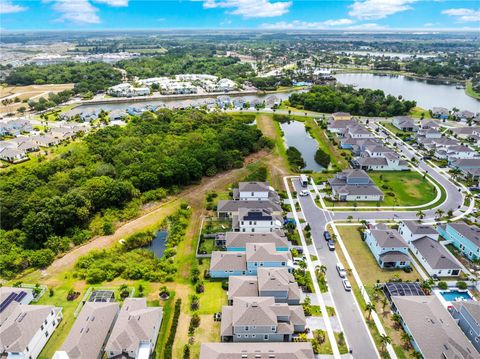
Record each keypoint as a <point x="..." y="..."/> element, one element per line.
<point x="304" y="193"/>
<point x="331" y="245"/>
<point x="347" y="285"/>
<point x="341" y="270"/>
<point x="327" y="235"/>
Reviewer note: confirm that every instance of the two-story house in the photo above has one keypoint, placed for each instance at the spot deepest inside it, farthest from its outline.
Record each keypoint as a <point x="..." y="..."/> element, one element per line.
<point x="278" y="283"/>
<point x="467" y="315"/>
<point x="256" y="220"/>
<point x="260" y="319"/>
<point x="237" y="241"/>
<point x="27" y="329"/>
<point x="254" y="191"/>
<point x="230" y="208"/>
<point x="463" y="237"/>
<point x="257" y="255"/>
<point x="388" y="248"/>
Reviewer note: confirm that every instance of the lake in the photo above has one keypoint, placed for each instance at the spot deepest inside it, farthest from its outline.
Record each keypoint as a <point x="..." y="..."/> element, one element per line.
<point x="295" y="135"/>
<point x="157" y="245"/>
<point x="398" y="55"/>
<point x="428" y="94"/>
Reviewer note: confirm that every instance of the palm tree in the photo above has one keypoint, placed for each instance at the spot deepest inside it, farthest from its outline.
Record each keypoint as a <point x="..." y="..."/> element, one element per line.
<point x="407" y="339"/>
<point x="385" y="340"/>
<point x="397" y="319"/>
<point x="439" y="212"/>
<point x="368" y="308"/>
<point x="321" y="269"/>
<point x="417" y="355"/>
<point x="420" y="214"/>
<point x="426" y="286"/>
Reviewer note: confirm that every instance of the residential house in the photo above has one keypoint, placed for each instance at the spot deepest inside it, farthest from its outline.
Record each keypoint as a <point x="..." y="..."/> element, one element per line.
<point x="463" y="237"/>
<point x="359" y="132"/>
<point x="230" y="208"/>
<point x="342" y="116"/>
<point x="456" y="152"/>
<point x="297" y="350"/>
<point x="135" y="332"/>
<point x="390" y="162"/>
<point x="15" y="127"/>
<point x="278" y="283"/>
<point x="469" y="167"/>
<point x="27" y="329"/>
<point x="237" y="241"/>
<point x="90" y="332"/>
<point x="46" y="140"/>
<point x="341" y="126"/>
<point x="256" y="220"/>
<point x="255" y="191"/>
<point x="467" y="314"/>
<point x="466" y="132"/>
<point x="128" y="90"/>
<point x="433" y="331"/>
<point x="404" y="123"/>
<point x="13" y="155"/>
<point x="354" y="185"/>
<point x="413" y="230"/>
<point x="427" y="124"/>
<point x="26" y="144"/>
<point x="260" y="319"/>
<point x="8" y="295"/>
<point x="464" y="115"/>
<point x="428" y="133"/>
<point x="388" y="248"/>
<point x="256" y="255"/>
<point x="440" y="112"/>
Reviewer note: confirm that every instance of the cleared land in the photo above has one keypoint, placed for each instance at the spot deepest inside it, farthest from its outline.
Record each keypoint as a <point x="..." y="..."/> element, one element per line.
<point x="33" y="92"/>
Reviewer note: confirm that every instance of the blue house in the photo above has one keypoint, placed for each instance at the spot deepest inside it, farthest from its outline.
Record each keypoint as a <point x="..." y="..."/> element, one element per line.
<point x="463" y="237"/>
<point x="256" y="255"/>
<point x="468" y="317"/>
<point x="237" y="241"/>
<point x="388" y="248"/>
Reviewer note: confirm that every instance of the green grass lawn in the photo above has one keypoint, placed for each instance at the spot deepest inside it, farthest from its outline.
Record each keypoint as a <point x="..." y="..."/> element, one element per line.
<point x="409" y="187"/>
<point x="166" y="324"/>
<point x="469" y="91"/>
<point x="419" y="112"/>
<point x="365" y="263"/>
<point x="214" y="297"/>
<point x="396" y="131"/>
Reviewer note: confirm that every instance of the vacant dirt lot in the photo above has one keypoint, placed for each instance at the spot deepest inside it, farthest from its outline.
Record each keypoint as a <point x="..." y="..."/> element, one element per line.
<point x="28" y="92"/>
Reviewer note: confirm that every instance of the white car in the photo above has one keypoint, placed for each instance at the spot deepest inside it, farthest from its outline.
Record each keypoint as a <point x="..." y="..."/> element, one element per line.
<point x="347" y="285"/>
<point x="341" y="271"/>
<point x="304" y="193"/>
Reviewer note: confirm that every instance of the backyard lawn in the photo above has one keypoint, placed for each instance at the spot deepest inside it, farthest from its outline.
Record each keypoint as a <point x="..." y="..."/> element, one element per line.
<point x="365" y="263"/>
<point x="214" y="297"/>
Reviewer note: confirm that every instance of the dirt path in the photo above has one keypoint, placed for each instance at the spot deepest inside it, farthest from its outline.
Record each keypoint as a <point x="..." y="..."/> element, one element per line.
<point x="265" y="124"/>
<point x="194" y="195"/>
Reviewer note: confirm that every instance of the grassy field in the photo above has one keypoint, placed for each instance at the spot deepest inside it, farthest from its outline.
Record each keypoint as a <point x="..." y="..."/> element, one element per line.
<point x="214" y="297"/>
<point x="365" y="262"/>
<point x="410" y="188"/>
<point x="395" y="130"/>
<point x="419" y="112"/>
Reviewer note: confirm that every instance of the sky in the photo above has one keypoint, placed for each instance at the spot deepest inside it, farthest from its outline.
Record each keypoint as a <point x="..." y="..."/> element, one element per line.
<point x="373" y="15"/>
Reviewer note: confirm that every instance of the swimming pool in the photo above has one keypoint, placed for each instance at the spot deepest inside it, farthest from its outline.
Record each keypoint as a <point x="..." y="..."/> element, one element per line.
<point x="455" y="295"/>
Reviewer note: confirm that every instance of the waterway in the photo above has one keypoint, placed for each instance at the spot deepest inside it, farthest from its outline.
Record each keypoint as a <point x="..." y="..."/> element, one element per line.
<point x="157" y="245"/>
<point x="427" y="93"/>
<point x="295" y="135"/>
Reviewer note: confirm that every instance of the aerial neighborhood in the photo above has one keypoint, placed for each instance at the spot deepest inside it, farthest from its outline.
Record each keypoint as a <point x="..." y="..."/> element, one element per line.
<point x="300" y="190"/>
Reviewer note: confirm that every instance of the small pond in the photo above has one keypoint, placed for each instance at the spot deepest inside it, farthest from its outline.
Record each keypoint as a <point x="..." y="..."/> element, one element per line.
<point x="295" y="135"/>
<point x="157" y="246"/>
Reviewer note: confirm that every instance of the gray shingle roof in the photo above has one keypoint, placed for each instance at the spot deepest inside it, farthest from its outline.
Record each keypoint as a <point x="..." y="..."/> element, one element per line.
<point x="233" y="206"/>
<point x="425" y="314"/>
<point x="88" y="334"/>
<point x="253" y="186"/>
<point x="136" y="322"/>
<point x="435" y="254"/>
<point x="265" y="252"/>
<point x="417" y="228"/>
<point x="394" y="256"/>
<point x="256" y="351"/>
<point x="472" y="233"/>
<point x="388" y="238"/>
<point x="228" y="261"/>
<point x="240" y="239"/>
<point x="472" y="307"/>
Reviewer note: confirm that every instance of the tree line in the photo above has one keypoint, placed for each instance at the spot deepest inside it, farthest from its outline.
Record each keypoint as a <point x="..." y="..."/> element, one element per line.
<point x="51" y="205"/>
<point x="360" y="102"/>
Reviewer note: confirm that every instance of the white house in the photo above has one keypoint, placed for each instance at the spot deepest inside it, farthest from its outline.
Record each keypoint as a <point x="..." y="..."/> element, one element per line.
<point x="127" y="90"/>
<point x="423" y="243"/>
<point x="254" y="191"/>
<point x="27" y="329"/>
<point x="360" y="132"/>
<point x="256" y="220"/>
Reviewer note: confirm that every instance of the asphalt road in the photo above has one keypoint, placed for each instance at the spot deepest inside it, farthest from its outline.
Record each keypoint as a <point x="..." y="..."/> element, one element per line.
<point x="349" y="314"/>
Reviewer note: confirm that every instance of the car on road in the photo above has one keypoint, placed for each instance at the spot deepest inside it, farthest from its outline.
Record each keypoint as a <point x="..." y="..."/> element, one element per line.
<point x="341" y="270"/>
<point x="327" y="235"/>
<point x="331" y="245"/>
<point x="347" y="285"/>
<point x="304" y="193"/>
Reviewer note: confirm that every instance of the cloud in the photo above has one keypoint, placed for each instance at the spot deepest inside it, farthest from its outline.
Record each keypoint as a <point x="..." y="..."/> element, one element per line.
<point x="7" y="7"/>
<point x="114" y="3"/>
<point x="302" y="25"/>
<point x="378" y="9"/>
<point x="367" y="26"/>
<point x="251" y="8"/>
<point x="76" y="11"/>
<point x="463" y="15"/>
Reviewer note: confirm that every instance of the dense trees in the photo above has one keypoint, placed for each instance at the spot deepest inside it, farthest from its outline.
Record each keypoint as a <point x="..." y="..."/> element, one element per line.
<point x="295" y="158"/>
<point x="363" y="102"/>
<point x="51" y="205"/>
<point x="322" y="158"/>
<point x="173" y="64"/>
<point x="95" y="76"/>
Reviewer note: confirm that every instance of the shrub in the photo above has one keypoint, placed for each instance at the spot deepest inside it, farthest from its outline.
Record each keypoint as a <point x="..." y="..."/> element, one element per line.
<point x="462" y="285"/>
<point x="173" y="330"/>
<point x="442" y="285"/>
